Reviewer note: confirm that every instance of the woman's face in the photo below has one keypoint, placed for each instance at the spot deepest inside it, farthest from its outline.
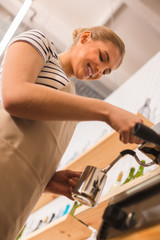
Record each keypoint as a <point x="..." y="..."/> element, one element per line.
<point x="92" y="59"/>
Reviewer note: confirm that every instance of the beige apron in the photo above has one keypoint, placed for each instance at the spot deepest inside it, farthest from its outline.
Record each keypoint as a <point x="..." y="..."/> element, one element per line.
<point x="29" y="155"/>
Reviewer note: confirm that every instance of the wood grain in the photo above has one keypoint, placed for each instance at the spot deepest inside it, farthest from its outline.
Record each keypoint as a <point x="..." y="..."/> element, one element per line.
<point x="66" y="228"/>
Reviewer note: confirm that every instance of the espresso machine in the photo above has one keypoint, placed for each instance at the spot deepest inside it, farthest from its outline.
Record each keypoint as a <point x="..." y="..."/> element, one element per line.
<point x="138" y="207"/>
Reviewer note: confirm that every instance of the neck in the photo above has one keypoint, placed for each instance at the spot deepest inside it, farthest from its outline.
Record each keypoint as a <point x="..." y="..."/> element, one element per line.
<point x="65" y="59"/>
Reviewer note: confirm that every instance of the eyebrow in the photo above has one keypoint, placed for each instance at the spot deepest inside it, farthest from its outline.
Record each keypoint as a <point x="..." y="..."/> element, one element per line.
<point x="107" y="56"/>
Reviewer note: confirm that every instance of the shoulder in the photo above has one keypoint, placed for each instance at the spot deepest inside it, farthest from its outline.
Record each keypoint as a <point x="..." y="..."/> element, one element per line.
<point x="31" y="34"/>
<point x="39" y="40"/>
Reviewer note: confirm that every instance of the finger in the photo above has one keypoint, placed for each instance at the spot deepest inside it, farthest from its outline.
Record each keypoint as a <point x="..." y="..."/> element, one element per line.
<point x="134" y="139"/>
<point x="75" y="179"/>
<point x="138" y="140"/>
<point x="72" y="174"/>
<point x="72" y="182"/>
<point x="124" y="137"/>
<point x="68" y="194"/>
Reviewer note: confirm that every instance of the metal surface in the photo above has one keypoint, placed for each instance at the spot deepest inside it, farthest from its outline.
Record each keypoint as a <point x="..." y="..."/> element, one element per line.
<point x="131" y="212"/>
<point x="90" y="186"/>
<point x="151" y="145"/>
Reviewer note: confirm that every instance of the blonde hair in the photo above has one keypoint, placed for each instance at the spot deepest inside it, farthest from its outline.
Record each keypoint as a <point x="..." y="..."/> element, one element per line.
<point x="101" y="33"/>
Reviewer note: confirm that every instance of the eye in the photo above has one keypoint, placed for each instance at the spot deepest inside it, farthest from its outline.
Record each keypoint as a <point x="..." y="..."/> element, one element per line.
<point x="107" y="71"/>
<point x="104" y="72"/>
<point x="100" y="57"/>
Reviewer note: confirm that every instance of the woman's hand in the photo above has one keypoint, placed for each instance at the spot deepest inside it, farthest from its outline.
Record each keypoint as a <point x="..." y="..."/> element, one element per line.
<point x="63" y="182"/>
<point x="123" y="122"/>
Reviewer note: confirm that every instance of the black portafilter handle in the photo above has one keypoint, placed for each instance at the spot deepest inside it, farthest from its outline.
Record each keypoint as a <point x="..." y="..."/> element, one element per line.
<point x="145" y="133"/>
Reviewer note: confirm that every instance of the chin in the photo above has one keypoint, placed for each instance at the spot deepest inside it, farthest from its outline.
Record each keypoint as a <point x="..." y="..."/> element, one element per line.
<point x="79" y="77"/>
<point x="85" y="79"/>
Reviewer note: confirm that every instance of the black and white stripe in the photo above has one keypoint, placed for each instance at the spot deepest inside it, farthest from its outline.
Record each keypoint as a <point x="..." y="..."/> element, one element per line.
<point x="52" y="74"/>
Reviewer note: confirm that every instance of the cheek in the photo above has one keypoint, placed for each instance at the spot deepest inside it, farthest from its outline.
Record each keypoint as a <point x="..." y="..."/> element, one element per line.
<point x="98" y="77"/>
<point x="93" y="57"/>
<point x="79" y="65"/>
<point x="78" y="60"/>
<point x="78" y="70"/>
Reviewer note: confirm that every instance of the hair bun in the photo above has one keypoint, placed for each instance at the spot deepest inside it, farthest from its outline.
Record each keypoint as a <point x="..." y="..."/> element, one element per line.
<point x="76" y="32"/>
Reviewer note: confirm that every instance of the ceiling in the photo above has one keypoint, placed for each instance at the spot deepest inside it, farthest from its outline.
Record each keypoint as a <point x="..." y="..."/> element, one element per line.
<point x="137" y="22"/>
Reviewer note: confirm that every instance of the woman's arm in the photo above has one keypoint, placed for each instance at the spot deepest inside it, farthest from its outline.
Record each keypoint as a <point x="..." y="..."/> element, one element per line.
<point x="25" y="99"/>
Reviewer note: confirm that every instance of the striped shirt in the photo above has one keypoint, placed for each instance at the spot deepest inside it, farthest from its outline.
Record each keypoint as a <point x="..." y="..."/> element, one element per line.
<point x="52" y="74"/>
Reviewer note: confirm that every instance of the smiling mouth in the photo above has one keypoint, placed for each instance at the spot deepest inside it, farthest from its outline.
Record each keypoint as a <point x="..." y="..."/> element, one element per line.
<point x="89" y="70"/>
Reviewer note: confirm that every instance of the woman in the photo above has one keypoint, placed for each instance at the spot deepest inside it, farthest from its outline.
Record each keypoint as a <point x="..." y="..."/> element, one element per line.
<point x="39" y="111"/>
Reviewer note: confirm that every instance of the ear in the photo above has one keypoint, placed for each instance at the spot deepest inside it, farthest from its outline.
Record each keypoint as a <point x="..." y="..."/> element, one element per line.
<point x="85" y="36"/>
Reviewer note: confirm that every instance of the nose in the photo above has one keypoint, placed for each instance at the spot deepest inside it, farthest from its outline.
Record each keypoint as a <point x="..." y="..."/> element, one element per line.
<point x="101" y="70"/>
<point x="99" y="73"/>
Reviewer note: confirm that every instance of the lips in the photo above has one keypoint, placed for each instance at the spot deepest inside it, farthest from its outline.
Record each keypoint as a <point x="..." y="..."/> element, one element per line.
<point x="89" y="70"/>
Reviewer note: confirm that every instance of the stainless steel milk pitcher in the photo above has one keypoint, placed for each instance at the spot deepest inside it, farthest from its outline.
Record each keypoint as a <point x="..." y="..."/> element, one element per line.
<point x="91" y="183"/>
<point x="90" y="186"/>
